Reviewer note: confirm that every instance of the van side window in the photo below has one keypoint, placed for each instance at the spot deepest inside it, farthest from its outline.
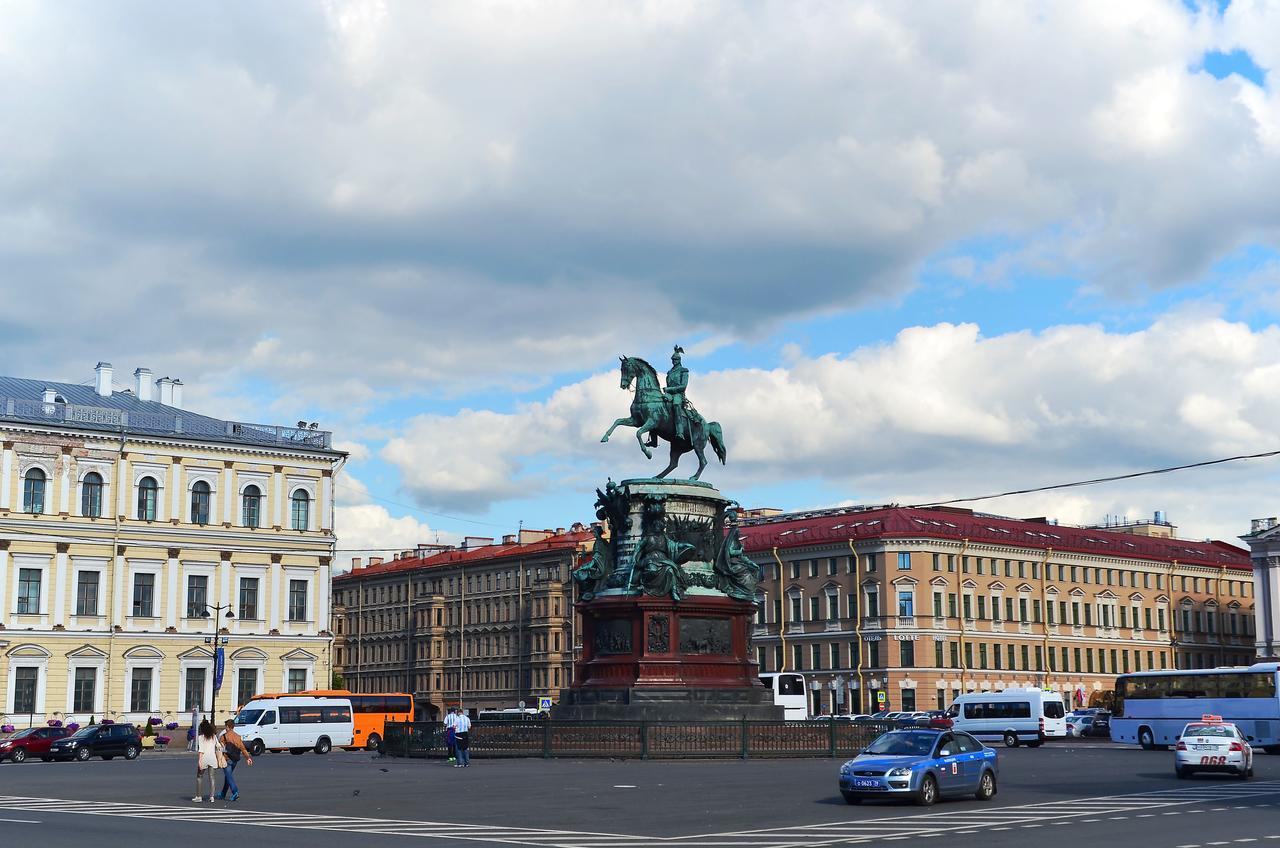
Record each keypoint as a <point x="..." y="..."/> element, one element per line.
<point x="338" y="714"/>
<point x="269" y="717"/>
<point x="290" y="715"/>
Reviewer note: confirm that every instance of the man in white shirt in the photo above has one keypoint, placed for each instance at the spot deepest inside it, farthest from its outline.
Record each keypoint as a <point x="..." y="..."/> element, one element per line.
<point x="462" y="738"/>
<point x="450" y="728"/>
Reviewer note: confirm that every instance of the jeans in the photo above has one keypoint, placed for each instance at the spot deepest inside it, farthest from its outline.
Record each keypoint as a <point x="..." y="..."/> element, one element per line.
<point x="228" y="778"/>
<point x="204" y="776"/>
<point x="464" y="751"/>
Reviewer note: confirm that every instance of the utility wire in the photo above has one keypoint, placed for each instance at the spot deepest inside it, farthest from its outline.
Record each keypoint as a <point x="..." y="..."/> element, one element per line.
<point x="1097" y="480"/>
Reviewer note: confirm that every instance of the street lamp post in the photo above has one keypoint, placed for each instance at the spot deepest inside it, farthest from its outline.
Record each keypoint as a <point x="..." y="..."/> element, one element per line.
<point x="216" y="642"/>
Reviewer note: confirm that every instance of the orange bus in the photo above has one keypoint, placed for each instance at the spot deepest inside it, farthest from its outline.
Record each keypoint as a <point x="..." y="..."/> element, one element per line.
<point x="371" y="712"/>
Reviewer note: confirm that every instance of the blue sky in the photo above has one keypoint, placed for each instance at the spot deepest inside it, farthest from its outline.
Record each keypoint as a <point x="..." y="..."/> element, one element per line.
<point x="912" y="252"/>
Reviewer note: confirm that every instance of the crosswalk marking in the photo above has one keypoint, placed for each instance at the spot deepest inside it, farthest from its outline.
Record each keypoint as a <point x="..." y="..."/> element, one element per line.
<point x="815" y="835"/>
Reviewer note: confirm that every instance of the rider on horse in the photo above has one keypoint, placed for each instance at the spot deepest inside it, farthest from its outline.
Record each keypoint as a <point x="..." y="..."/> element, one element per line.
<point x="683" y="415"/>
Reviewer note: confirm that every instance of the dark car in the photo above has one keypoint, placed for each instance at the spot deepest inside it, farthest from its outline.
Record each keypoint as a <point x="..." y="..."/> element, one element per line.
<point x="923" y="765"/>
<point x="1101" y="725"/>
<point x="31" y="742"/>
<point x="99" y="740"/>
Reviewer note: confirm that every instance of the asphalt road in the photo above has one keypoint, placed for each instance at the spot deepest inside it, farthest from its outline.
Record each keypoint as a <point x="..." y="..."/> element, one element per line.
<point x="1062" y="794"/>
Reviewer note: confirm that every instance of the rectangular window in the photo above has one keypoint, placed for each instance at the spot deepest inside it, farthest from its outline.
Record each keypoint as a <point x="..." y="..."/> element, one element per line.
<point x="25" y="679"/>
<point x="967" y="603"/>
<point x="873" y="604"/>
<point x="937" y="562"/>
<point x="29" y="590"/>
<point x="1008" y="609"/>
<point x="906" y="603"/>
<point x="1026" y="665"/>
<point x="907" y="654"/>
<point x="140" y="690"/>
<point x="87" y="593"/>
<point x="84" y="684"/>
<point x="937" y="654"/>
<point x="297" y="679"/>
<point x="144" y="590"/>
<point x="904" y="561"/>
<point x="982" y="606"/>
<point x="951" y="604"/>
<point x="797" y="611"/>
<point x="194" y="691"/>
<point x="833" y="606"/>
<point x="832" y="566"/>
<point x="835" y="656"/>
<point x="815" y="654"/>
<point x="813" y="609"/>
<point x="873" y="654"/>
<point x="297" y="600"/>
<point x="982" y="655"/>
<point x="1039" y="658"/>
<point x="937" y="604"/>
<point x="248" y="598"/>
<point x="871" y="562"/>
<point x="197" y="595"/>
<point x="795" y="570"/>
<point x="1012" y="665"/>
<point x="968" y="655"/>
<point x="813" y="568"/>
<point x="955" y="654"/>
<point x="1022" y="609"/>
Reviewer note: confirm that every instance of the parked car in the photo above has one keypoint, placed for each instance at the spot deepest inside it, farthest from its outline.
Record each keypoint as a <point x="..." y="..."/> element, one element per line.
<point x="30" y="742"/>
<point x="1101" y="725"/>
<point x="1213" y="745"/>
<point x="921" y="764"/>
<point x="1078" y="724"/>
<point x="1095" y="724"/>
<point x="99" y="740"/>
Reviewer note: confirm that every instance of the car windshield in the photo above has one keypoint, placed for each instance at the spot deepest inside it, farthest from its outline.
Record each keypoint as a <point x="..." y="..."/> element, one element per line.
<point x="84" y="731"/>
<point x="249" y="716"/>
<point x="1211" y="730"/>
<point x="903" y="744"/>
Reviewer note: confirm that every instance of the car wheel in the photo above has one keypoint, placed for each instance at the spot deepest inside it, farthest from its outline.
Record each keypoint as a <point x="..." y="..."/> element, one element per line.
<point x="373" y="742"/>
<point x="256" y="747"/>
<point x="986" y="787"/>
<point x="18" y="755"/>
<point x="1146" y="739"/>
<point x="322" y="745"/>
<point x="83" y="754"/>
<point x="297" y="751"/>
<point x="1011" y="740"/>
<point x="850" y="798"/>
<point x="928" y="794"/>
<point x="131" y="753"/>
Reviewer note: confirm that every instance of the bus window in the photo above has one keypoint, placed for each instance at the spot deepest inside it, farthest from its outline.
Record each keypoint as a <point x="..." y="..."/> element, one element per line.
<point x="790" y="684"/>
<point x="399" y="704"/>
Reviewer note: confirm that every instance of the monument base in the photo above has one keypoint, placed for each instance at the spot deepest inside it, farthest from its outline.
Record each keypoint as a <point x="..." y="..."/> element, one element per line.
<point x="652" y="658"/>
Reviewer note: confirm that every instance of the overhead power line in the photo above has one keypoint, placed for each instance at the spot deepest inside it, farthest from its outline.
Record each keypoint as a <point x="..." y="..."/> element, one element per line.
<point x="1097" y="480"/>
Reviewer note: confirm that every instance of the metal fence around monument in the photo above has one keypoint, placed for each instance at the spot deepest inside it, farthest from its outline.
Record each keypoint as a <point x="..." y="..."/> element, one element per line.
<point x="640" y="739"/>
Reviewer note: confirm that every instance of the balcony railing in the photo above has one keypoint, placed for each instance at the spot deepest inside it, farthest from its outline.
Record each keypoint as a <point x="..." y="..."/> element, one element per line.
<point x="1024" y="627"/>
<point x="872" y="622"/>
<point x="997" y="626"/>
<point x="939" y="623"/>
<point x="906" y="621"/>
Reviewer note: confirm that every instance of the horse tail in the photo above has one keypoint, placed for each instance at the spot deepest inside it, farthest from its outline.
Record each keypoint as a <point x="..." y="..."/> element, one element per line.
<point x="716" y="438"/>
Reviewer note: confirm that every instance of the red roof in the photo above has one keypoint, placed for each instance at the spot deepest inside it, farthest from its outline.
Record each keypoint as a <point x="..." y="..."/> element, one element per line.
<point x="563" y="541"/>
<point x="856" y="523"/>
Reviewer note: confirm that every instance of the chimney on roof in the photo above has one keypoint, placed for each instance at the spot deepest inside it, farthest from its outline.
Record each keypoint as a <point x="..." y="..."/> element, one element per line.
<point x="142" y="376"/>
<point x="164" y="391"/>
<point x="49" y="396"/>
<point x="177" y="393"/>
<point x="102" y="384"/>
<point x="356" y="563"/>
<point x="559" y="531"/>
<point x="375" y="561"/>
<point x="406" y="555"/>
<point x="509" y="539"/>
<point x="472" y="542"/>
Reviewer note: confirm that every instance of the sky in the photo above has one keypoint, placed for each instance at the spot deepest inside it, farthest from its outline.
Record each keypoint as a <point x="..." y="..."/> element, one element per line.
<point x="913" y="251"/>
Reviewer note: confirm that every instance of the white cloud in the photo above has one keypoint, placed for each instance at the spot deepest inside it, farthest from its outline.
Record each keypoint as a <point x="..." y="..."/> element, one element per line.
<point x="939" y="412"/>
<point x="370" y="529"/>
<point x="347" y="199"/>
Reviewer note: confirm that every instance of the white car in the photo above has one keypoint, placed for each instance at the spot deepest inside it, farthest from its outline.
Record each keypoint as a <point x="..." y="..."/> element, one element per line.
<point x="1212" y="745"/>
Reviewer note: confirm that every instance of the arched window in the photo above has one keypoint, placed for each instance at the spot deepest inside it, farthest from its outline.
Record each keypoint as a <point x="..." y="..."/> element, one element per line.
<point x="301" y="510"/>
<point x="91" y="495"/>
<point x="148" y="497"/>
<point x="33" y="485"/>
<point x="251" y="507"/>
<point x="200" y="502"/>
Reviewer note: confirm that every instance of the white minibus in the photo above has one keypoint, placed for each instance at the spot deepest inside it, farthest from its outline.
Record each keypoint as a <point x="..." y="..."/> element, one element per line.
<point x="1016" y="716"/>
<point x="296" y="723"/>
<point x="789" y="693"/>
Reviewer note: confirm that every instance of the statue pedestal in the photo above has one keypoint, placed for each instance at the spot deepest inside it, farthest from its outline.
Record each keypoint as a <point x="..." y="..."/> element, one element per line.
<point x="650" y="656"/>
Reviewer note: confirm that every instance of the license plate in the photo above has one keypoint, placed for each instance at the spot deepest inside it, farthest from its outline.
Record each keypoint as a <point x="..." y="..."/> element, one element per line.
<point x="869" y="784"/>
<point x="1204" y="747"/>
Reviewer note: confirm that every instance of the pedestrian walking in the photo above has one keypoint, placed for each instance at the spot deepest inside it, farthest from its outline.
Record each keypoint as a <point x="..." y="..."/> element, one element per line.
<point x="450" y="727"/>
<point x="462" y="739"/>
<point x="192" y="730"/>
<point x="233" y="749"/>
<point x="207" y="759"/>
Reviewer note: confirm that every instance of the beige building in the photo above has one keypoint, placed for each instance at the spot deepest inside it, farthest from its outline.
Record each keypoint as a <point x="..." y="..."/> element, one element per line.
<point x="919" y="605"/>
<point x="129" y="526"/>
<point x="483" y="625"/>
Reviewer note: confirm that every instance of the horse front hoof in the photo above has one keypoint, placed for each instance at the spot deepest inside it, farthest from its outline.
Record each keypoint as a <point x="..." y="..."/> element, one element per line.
<point x="604" y="438"/>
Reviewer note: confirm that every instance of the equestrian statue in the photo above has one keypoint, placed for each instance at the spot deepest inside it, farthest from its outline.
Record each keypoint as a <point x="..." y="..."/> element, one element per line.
<point x="659" y="411"/>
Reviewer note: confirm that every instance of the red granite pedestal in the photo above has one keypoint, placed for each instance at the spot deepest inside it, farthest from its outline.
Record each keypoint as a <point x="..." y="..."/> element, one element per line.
<point x="657" y="659"/>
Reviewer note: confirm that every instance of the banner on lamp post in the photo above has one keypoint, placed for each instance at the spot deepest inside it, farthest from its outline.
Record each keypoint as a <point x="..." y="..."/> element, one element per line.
<point x="218" y="663"/>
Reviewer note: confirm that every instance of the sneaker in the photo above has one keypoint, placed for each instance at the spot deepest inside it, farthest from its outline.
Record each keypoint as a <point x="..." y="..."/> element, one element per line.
<point x="235" y="797"/>
<point x="197" y="799"/>
<point x="210" y="799"/>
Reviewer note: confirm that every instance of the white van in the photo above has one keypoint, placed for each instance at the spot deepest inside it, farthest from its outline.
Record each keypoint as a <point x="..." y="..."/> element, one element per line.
<point x="1017" y="716"/>
<point x="296" y="723"/>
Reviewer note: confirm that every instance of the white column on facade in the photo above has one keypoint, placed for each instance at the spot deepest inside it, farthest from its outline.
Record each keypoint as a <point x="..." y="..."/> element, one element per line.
<point x="171" y="578"/>
<point x="326" y="496"/>
<point x="277" y="497"/>
<point x="64" y="485"/>
<point x="1271" y="607"/>
<point x="321" y="613"/>
<point x="117" y="592"/>
<point x="4" y="582"/>
<point x="60" y="588"/>
<point x="224" y="586"/>
<point x="275" y="615"/>
<point x="228" y="493"/>
<point x="6" y="476"/>
<point x="123" y="488"/>
<point x="176" y="484"/>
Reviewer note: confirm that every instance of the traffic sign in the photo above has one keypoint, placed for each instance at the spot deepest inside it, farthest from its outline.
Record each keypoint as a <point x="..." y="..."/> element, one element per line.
<point x="544" y="704"/>
<point x="880" y="697"/>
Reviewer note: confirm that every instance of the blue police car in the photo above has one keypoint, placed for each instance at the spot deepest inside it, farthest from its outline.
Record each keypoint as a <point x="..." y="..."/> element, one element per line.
<point x="922" y="764"/>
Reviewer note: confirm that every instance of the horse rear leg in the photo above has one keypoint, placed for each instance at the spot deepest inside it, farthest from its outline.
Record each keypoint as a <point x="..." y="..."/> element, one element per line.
<point x="675" y="460"/>
<point x="702" y="461"/>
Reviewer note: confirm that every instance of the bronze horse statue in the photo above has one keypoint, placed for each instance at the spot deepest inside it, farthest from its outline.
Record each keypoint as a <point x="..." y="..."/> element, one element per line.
<point x="652" y="414"/>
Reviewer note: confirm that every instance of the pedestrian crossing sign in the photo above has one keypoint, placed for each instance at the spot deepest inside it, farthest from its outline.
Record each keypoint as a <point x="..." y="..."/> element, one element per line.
<point x="544" y="704"/>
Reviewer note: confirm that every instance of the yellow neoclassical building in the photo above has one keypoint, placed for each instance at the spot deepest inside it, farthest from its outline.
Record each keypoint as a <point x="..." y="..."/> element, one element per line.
<point x="129" y="526"/>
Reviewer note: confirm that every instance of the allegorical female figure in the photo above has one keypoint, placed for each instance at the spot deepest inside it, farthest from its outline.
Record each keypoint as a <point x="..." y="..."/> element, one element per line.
<point x="659" y="561"/>
<point x="735" y="574"/>
<point x="592" y="575"/>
